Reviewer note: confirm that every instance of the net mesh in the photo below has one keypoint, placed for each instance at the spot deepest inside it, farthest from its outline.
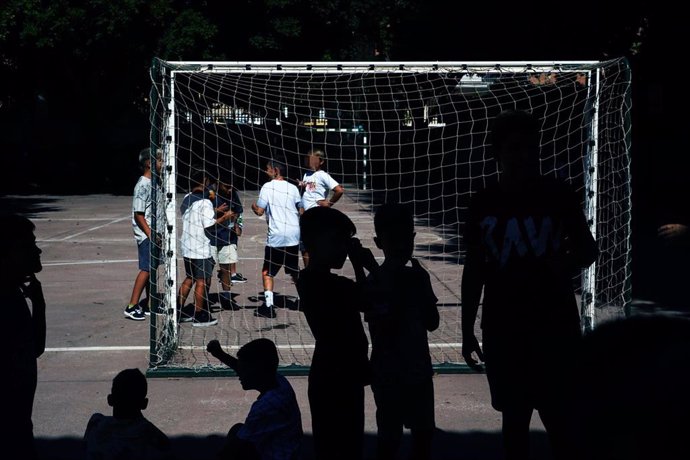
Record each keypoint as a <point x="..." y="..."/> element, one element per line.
<point x="411" y="133"/>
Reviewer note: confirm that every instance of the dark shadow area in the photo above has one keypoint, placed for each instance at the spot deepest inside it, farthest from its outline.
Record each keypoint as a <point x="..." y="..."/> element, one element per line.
<point x="472" y="445"/>
<point x="29" y="206"/>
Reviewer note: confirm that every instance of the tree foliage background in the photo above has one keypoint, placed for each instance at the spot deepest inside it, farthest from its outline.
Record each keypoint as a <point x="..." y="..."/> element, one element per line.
<point x="74" y="76"/>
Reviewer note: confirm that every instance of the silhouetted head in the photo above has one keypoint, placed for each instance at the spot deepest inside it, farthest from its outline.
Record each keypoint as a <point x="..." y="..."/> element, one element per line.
<point x="394" y="226"/>
<point x="515" y="144"/>
<point x="257" y="363"/>
<point x="19" y="255"/>
<point x="326" y="234"/>
<point x="316" y="159"/>
<point x="128" y="393"/>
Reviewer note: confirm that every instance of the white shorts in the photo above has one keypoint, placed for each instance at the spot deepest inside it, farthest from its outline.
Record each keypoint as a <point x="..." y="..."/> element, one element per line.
<point x="226" y="254"/>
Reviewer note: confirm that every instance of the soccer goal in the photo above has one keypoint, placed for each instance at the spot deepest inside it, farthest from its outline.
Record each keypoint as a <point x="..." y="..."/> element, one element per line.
<point x="411" y="132"/>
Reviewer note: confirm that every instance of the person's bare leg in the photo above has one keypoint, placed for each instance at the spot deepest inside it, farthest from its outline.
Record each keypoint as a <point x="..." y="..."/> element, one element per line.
<point x="268" y="288"/>
<point x="225" y="276"/>
<point x="140" y="283"/>
<point x="199" y="294"/>
<point x="185" y="287"/>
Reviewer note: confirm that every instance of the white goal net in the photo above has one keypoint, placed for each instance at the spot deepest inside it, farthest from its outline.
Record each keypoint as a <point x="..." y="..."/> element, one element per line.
<point x="413" y="133"/>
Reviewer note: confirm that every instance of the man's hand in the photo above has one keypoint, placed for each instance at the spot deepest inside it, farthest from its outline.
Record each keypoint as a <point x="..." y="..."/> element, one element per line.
<point x="34" y="292"/>
<point x="222" y="208"/>
<point x="361" y="256"/>
<point x="214" y="348"/>
<point x="470" y="345"/>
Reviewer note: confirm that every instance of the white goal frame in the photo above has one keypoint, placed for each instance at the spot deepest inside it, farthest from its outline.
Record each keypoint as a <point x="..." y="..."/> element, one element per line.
<point x="164" y="137"/>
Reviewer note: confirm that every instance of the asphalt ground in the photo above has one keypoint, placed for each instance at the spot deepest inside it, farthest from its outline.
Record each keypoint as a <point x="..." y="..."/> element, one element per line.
<point x="89" y="259"/>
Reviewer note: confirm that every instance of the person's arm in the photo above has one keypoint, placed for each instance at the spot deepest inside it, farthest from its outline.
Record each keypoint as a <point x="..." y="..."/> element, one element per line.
<point x="338" y="192"/>
<point x="471" y="291"/>
<point x="217" y="352"/>
<point x="432" y="318"/>
<point x="34" y="291"/>
<point x="227" y="215"/>
<point x="581" y="248"/>
<point x="259" y="211"/>
<point x="140" y="219"/>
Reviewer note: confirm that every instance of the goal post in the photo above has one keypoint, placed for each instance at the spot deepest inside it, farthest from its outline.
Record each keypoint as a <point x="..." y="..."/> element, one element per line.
<point x="412" y="132"/>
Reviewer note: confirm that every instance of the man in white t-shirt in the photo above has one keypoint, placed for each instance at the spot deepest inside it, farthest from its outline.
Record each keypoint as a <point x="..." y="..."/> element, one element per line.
<point x="281" y="203"/>
<point x="141" y="225"/>
<point x="317" y="185"/>
<point x="198" y="215"/>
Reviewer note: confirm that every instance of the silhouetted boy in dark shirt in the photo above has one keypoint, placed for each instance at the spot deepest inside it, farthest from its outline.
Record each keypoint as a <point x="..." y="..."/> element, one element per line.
<point x="273" y="427"/>
<point x="332" y="305"/>
<point x="126" y="434"/>
<point x="403" y="309"/>
<point x="526" y="236"/>
<point x="20" y="260"/>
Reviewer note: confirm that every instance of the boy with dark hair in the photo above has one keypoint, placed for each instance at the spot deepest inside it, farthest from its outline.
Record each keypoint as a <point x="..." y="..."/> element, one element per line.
<point x="526" y="236"/>
<point x="127" y="433"/>
<point x="141" y="225"/>
<point x="198" y="215"/>
<point x="332" y="305"/>
<point x="20" y="260"/>
<point x="273" y="427"/>
<point x="403" y="308"/>
<point x="224" y="238"/>
<point x="280" y="201"/>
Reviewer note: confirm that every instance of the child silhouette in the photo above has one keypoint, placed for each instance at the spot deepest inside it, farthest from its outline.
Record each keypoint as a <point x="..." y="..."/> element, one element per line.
<point x="403" y="308"/>
<point x="126" y="434"/>
<point x="273" y="427"/>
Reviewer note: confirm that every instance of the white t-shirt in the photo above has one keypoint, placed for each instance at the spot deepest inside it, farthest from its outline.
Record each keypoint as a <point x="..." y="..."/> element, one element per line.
<point x="317" y="184"/>
<point x="197" y="215"/>
<point x="281" y="201"/>
<point x="141" y="202"/>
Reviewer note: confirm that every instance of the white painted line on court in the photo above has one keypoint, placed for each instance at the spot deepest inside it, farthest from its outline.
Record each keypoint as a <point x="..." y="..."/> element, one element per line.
<point x="80" y="349"/>
<point x="70" y="219"/>
<point x="90" y="240"/>
<point x="203" y="348"/>
<point x="89" y="262"/>
<point x="95" y="228"/>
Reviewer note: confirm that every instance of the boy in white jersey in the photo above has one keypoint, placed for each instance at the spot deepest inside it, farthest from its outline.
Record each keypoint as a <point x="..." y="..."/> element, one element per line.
<point x="141" y="225"/>
<point x="198" y="216"/>
<point x="317" y="185"/>
<point x="281" y="203"/>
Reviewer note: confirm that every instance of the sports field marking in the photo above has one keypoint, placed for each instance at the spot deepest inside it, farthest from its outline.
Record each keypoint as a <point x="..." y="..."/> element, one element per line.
<point x="203" y="348"/>
<point x="119" y="219"/>
<point x="88" y="262"/>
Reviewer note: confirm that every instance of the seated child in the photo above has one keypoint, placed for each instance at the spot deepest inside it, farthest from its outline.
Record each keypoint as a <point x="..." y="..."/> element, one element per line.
<point x="273" y="427"/>
<point x="126" y="434"/>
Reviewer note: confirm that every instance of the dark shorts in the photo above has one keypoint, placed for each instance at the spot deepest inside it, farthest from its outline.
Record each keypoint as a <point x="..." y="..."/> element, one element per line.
<point x="144" y="251"/>
<point x="404" y="405"/>
<point x="527" y="373"/>
<point x="287" y="257"/>
<point x="198" y="268"/>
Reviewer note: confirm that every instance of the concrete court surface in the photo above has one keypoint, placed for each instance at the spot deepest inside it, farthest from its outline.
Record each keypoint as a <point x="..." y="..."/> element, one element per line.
<point x="89" y="258"/>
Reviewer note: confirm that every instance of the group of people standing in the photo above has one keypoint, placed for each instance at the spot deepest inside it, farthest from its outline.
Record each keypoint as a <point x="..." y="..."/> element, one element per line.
<point x="526" y="236"/>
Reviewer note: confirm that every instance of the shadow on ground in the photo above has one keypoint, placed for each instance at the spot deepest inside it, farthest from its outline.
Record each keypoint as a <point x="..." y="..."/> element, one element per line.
<point x="447" y="446"/>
